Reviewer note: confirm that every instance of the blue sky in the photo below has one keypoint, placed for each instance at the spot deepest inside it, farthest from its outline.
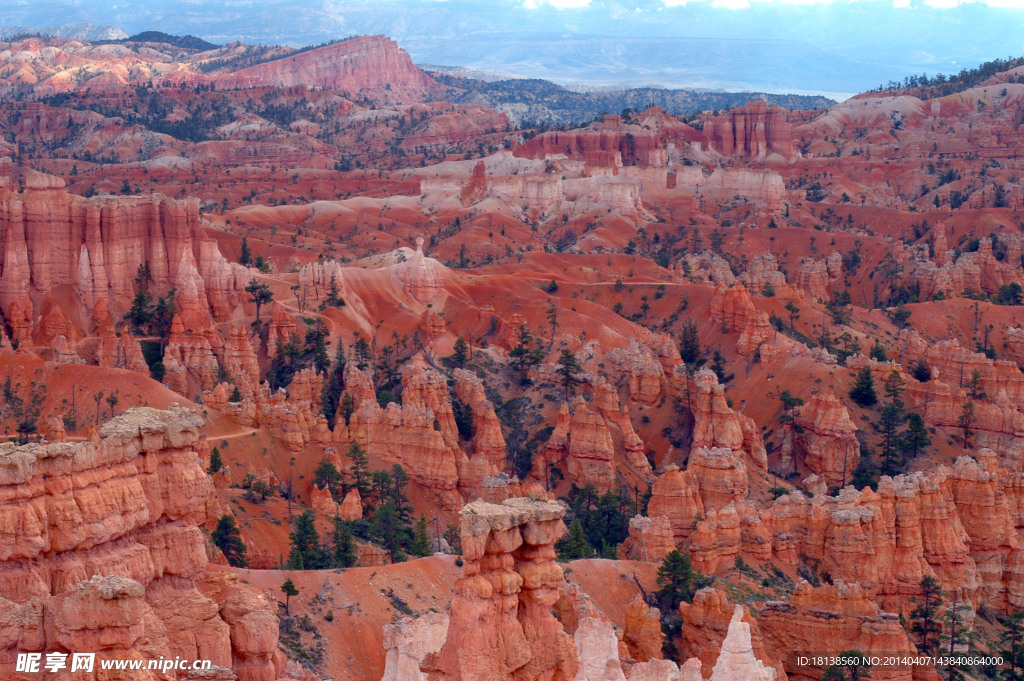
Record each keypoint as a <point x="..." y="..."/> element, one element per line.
<point x="798" y="45"/>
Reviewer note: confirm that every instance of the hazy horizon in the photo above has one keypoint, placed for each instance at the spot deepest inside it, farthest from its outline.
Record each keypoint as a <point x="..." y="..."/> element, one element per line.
<point x="830" y="47"/>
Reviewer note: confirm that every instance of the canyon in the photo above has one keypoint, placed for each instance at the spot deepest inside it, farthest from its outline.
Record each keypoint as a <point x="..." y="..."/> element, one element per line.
<point x="507" y="375"/>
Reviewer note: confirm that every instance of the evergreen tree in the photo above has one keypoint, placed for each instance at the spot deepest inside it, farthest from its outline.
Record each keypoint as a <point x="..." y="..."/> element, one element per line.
<point x="163" y="314"/>
<point x="246" y="256"/>
<point x="892" y="418"/>
<point x="863" y="390"/>
<point x="289" y="590"/>
<point x="678" y="582"/>
<point x="306" y="553"/>
<point x="463" y="414"/>
<point x="330" y="394"/>
<point x="718" y="366"/>
<point x="397" y="495"/>
<point x="216" y="463"/>
<point x="794" y="314"/>
<point x="460" y="354"/>
<point x="380" y="484"/>
<point x="346" y="407"/>
<point x="1012" y="640"/>
<point x="388" y="529"/>
<point x="569" y="369"/>
<point x="228" y="538"/>
<point x="689" y="343"/>
<point x="877" y="352"/>
<point x="921" y="372"/>
<point x="421" y="544"/>
<point x="140" y="313"/>
<point x="327" y="476"/>
<point x="925" y="617"/>
<point x="915" y="438"/>
<point x="575" y="545"/>
<point x="525" y="354"/>
<point x="966" y="422"/>
<point x="344" y="547"/>
<point x="359" y="471"/>
<point x="362" y="352"/>
<point x="334" y="298"/>
<point x="260" y="294"/>
<point x="956" y="633"/>
<point x="236" y="395"/>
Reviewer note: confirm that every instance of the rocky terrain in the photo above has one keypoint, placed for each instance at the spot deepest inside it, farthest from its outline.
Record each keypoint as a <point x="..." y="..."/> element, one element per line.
<point x="643" y="399"/>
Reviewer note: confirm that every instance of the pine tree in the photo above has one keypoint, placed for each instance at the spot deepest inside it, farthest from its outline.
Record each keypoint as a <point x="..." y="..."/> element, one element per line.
<point x="327" y="476"/>
<point x="306" y="553"/>
<point x="575" y="545"/>
<point x="216" y="463"/>
<point x="956" y="633"/>
<point x="344" y="547"/>
<point x="921" y="372"/>
<point x="289" y="590"/>
<point x="140" y="313"/>
<point x="359" y="471"/>
<point x="330" y="394"/>
<point x="246" y="256"/>
<point x="421" y="544"/>
<point x="925" y="616"/>
<point x="892" y="418"/>
<point x="259" y="294"/>
<point x="877" y="352"/>
<point x="1012" y="639"/>
<point x="460" y="354"/>
<point x="966" y="421"/>
<point x="915" y="438"/>
<point x="569" y="369"/>
<point x="228" y="538"/>
<point x="794" y="314"/>
<point x="677" y="580"/>
<point x="689" y="343"/>
<point x="236" y="395"/>
<point x="397" y="495"/>
<point x="863" y="390"/>
<point x="389" y="530"/>
<point x="524" y="354"/>
<point x="346" y="407"/>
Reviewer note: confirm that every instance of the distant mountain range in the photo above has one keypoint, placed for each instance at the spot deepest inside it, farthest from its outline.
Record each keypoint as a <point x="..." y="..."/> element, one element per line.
<point x="534" y="101"/>
<point x="834" y="48"/>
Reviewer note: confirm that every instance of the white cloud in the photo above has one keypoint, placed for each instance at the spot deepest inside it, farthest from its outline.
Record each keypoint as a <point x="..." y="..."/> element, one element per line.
<point x="557" y="4"/>
<point x="935" y="4"/>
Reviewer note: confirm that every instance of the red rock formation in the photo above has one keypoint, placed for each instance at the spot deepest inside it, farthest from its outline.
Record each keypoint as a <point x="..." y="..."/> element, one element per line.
<point x="95" y="246"/>
<point x="359" y="66"/>
<point x="501" y="623"/>
<point x="608" y="143"/>
<point x="733" y="307"/>
<point x="487" y="440"/>
<point x="751" y="131"/>
<point x="675" y="495"/>
<point x="816" y="277"/>
<point x="716" y="425"/>
<point x="832" y="619"/>
<point x="762" y="187"/>
<point x="829" y="438"/>
<point x="239" y="362"/>
<point x="650" y="539"/>
<point x="582" y="442"/>
<point x="352" y="506"/>
<point x="101" y="540"/>
<point x="707" y="623"/>
<point x="642" y="633"/>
